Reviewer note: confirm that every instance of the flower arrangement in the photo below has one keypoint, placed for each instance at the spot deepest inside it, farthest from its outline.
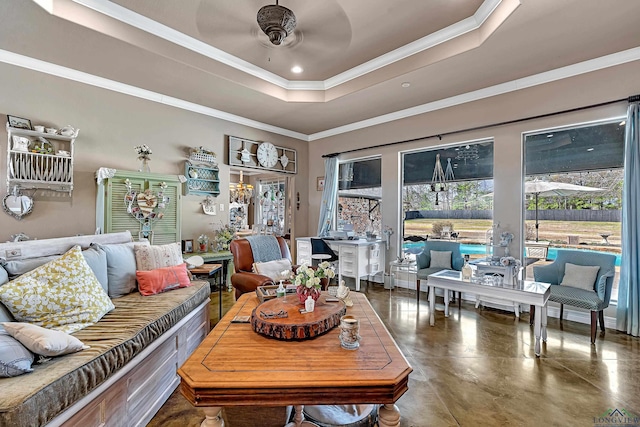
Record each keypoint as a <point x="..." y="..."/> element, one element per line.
<point x="223" y="236"/>
<point x="307" y="280"/>
<point x="143" y="151"/>
<point x="203" y="242"/>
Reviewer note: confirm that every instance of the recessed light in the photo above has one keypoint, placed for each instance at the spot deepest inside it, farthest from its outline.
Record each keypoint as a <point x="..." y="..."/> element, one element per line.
<point x="590" y="149"/>
<point x="405" y="84"/>
<point x="297" y="69"/>
<point x="550" y="135"/>
<point x="622" y="123"/>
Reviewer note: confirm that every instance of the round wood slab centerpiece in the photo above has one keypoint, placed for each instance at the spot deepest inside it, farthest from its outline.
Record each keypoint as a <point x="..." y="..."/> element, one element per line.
<point x="297" y="326"/>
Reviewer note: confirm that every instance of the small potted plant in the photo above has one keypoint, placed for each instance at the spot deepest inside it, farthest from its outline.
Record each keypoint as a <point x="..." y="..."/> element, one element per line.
<point x="203" y="242"/>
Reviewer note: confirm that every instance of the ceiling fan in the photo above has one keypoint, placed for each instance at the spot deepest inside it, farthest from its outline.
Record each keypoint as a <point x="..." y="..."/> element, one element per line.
<point x="276" y="21"/>
<point x="316" y="28"/>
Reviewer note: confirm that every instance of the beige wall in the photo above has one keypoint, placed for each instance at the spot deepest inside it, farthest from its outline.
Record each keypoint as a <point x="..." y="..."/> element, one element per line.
<point x="111" y="124"/>
<point x="593" y="88"/>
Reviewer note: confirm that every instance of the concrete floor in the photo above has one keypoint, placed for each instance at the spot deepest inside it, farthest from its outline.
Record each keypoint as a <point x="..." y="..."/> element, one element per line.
<point x="477" y="368"/>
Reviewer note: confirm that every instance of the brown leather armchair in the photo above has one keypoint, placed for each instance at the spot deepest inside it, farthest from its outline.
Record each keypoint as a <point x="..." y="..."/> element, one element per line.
<point x="244" y="279"/>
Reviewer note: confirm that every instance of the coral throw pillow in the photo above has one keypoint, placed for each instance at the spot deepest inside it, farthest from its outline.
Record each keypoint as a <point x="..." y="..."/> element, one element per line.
<point x="63" y="294"/>
<point x="162" y="279"/>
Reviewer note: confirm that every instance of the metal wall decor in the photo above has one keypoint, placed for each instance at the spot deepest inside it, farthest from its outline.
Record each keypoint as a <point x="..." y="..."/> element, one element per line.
<point x="147" y="207"/>
<point x="17" y="204"/>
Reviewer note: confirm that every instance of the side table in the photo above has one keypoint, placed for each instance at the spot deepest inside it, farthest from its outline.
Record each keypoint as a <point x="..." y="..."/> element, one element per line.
<point x="210" y="270"/>
<point x="402" y="270"/>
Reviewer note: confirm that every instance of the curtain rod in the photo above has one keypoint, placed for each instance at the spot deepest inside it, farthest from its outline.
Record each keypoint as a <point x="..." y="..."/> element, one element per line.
<point x="633" y="98"/>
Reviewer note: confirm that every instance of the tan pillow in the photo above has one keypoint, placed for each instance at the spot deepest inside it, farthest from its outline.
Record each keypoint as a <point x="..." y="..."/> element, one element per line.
<point x="580" y="276"/>
<point x="440" y="259"/>
<point x="273" y="269"/>
<point x="157" y="256"/>
<point x="46" y="342"/>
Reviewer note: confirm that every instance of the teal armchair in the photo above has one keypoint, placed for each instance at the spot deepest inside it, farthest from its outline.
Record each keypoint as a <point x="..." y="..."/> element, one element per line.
<point x="423" y="260"/>
<point x="595" y="300"/>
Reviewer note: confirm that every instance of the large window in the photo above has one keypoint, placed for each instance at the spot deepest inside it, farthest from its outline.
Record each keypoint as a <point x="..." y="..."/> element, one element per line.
<point x="586" y="214"/>
<point x="359" y="196"/>
<point x="459" y="206"/>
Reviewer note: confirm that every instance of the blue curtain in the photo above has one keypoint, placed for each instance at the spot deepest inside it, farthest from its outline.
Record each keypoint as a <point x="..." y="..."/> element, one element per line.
<point x="329" y="196"/>
<point x="628" y="312"/>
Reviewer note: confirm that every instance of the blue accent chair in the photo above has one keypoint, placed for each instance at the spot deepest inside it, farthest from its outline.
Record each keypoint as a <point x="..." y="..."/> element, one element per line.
<point x="595" y="301"/>
<point x="423" y="260"/>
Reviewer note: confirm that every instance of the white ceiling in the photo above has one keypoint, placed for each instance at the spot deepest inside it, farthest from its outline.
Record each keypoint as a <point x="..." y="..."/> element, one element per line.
<point x="210" y="56"/>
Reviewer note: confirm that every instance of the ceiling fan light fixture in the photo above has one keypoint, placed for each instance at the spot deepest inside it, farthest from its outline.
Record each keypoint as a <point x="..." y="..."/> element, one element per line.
<point x="277" y="22"/>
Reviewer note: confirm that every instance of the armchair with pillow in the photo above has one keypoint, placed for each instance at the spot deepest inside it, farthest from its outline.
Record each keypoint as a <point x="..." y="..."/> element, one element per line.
<point x="582" y="279"/>
<point x="436" y="256"/>
<point x="271" y="264"/>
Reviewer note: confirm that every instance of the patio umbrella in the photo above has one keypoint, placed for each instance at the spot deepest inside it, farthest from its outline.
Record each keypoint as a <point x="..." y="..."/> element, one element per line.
<point x="547" y="189"/>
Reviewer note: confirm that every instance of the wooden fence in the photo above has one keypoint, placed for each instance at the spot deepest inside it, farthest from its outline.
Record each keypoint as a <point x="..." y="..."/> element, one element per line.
<point x="543" y="215"/>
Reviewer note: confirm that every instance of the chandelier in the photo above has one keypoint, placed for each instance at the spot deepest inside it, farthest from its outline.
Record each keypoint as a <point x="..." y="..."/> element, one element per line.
<point x="240" y="192"/>
<point x="277" y="22"/>
<point x="470" y="152"/>
<point x="440" y="177"/>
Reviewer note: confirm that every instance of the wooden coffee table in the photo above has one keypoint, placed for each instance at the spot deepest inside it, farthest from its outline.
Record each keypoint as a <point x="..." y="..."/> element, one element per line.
<point x="235" y="366"/>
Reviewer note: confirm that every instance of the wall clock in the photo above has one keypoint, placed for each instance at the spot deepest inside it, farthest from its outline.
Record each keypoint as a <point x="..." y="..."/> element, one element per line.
<point x="267" y="155"/>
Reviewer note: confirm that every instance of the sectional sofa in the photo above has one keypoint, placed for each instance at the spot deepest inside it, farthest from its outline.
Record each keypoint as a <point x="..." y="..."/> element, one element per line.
<point x="129" y="369"/>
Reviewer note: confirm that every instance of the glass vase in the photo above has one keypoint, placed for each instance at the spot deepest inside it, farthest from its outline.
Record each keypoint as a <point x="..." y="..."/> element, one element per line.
<point x="144" y="165"/>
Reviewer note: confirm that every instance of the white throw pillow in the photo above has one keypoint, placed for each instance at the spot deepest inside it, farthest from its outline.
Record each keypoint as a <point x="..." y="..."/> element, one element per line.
<point x="46" y="342"/>
<point x="580" y="276"/>
<point x="273" y="269"/>
<point x="440" y="259"/>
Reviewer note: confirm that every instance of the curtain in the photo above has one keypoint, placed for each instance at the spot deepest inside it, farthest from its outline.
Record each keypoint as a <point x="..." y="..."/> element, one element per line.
<point x="329" y="196"/>
<point x="628" y="311"/>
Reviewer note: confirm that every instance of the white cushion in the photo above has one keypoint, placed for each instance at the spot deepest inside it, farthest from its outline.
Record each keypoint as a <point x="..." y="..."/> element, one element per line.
<point x="273" y="269"/>
<point x="580" y="276"/>
<point x="46" y="342"/>
<point x="158" y="256"/>
<point x="440" y="259"/>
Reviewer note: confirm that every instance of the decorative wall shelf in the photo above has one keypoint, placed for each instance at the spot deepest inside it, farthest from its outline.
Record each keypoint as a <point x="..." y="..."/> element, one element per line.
<point x="38" y="160"/>
<point x="201" y="179"/>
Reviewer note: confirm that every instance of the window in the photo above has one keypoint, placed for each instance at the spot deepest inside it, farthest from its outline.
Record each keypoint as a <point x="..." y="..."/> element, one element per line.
<point x="461" y="209"/>
<point x="359" y="196"/>
<point x="589" y="155"/>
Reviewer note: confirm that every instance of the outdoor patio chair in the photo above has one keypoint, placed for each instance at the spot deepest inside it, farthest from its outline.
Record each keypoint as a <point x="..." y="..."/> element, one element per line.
<point x="424" y="263"/>
<point x="591" y="296"/>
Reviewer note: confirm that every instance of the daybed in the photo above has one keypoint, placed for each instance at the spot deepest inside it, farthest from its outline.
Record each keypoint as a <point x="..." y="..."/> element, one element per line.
<point x="128" y="372"/>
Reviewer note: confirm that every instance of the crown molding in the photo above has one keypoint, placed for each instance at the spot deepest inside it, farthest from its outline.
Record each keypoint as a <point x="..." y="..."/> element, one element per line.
<point x="588" y="66"/>
<point x="569" y="71"/>
<point x="157" y="29"/>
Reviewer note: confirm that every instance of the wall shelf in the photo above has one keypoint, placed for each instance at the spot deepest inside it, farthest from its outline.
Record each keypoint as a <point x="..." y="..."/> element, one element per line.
<point x="35" y="160"/>
<point x="201" y="180"/>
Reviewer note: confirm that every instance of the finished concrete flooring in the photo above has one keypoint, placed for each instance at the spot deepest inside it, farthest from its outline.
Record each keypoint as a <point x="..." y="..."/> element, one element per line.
<point x="477" y="368"/>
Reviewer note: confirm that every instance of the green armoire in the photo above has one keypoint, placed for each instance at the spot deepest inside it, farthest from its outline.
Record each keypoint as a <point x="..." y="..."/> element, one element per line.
<point x="114" y="212"/>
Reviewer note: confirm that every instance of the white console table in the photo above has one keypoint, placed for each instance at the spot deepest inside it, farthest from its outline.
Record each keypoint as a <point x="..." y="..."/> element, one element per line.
<point x="356" y="258"/>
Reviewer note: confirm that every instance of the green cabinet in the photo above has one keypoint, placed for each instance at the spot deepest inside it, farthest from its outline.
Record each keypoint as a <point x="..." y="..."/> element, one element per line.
<point x="119" y="212"/>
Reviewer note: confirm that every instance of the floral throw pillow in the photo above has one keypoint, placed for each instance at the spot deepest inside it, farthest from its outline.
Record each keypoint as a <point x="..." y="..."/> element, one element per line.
<point x="63" y="294"/>
<point x="157" y="256"/>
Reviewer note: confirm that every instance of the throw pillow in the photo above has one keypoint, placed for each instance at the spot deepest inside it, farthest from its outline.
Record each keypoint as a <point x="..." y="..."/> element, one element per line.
<point x="158" y="256"/>
<point x="4" y="276"/>
<point x="273" y="269"/>
<point x="121" y="268"/>
<point x="43" y="341"/>
<point x="162" y="279"/>
<point x="15" y="359"/>
<point x="579" y="276"/>
<point x="97" y="260"/>
<point x="17" y="268"/>
<point x="440" y="259"/>
<point x="63" y="294"/>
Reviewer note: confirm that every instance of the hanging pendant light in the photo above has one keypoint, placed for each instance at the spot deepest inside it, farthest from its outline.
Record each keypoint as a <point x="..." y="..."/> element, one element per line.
<point x="277" y="22"/>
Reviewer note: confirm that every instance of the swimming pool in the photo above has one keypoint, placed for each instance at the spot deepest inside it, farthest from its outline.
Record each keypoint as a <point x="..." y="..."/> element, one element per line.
<point x="416" y="248"/>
